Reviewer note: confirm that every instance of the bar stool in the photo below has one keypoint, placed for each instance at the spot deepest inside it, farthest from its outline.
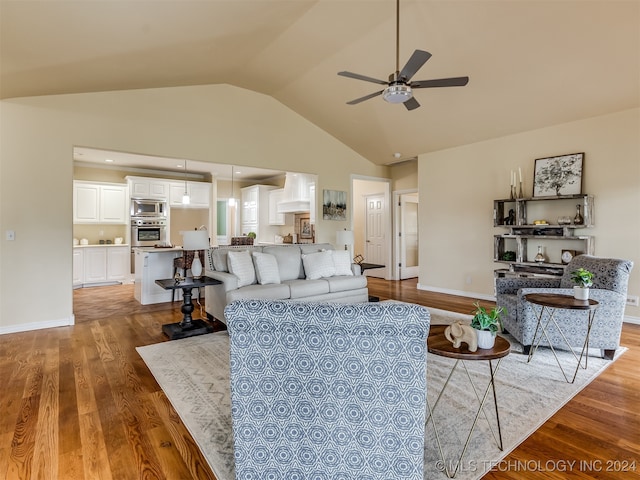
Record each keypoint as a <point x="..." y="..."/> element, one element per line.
<point x="184" y="263"/>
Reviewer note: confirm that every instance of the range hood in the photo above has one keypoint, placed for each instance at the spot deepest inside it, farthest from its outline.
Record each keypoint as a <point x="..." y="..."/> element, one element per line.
<point x="296" y="197"/>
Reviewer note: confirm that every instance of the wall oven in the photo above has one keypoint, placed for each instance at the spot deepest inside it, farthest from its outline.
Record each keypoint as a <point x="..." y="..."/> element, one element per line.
<point x="148" y="231"/>
<point x="148" y="208"/>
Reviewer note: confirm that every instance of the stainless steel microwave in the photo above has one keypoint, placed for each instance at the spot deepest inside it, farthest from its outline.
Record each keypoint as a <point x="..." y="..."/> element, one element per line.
<point x="148" y="208"/>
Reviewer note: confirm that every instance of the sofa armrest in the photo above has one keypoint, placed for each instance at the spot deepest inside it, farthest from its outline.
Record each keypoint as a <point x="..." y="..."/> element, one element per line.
<point x="511" y="285"/>
<point x="229" y="280"/>
<point x="356" y="269"/>
<point x="215" y="296"/>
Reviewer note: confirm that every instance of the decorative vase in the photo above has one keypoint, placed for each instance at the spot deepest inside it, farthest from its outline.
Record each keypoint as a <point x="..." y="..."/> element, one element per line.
<point x="486" y="339"/>
<point x="578" y="219"/>
<point x="196" y="265"/>
<point x="580" y="293"/>
<point x="539" y="258"/>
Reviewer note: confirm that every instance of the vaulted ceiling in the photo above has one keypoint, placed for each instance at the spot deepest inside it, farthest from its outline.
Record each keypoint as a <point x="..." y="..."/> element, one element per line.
<point x="531" y="63"/>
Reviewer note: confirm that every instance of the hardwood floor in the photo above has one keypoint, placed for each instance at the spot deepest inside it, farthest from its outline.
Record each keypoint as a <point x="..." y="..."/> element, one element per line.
<point x="79" y="403"/>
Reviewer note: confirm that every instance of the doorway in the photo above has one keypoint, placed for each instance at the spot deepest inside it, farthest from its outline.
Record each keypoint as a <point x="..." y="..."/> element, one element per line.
<point x="371" y="198"/>
<point x="407" y="235"/>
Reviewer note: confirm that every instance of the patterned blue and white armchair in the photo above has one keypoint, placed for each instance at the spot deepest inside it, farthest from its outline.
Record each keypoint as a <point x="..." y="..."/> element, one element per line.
<point x="335" y="391"/>
<point x="611" y="277"/>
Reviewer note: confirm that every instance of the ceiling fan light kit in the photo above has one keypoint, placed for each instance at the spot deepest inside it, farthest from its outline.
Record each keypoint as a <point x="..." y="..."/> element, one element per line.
<point x="397" y="93"/>
<point x="399" y="88"/>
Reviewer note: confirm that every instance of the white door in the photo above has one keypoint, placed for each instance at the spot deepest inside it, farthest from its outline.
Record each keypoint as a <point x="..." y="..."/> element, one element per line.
<point x="375" y="239"/>
<point x="408" y="236"/>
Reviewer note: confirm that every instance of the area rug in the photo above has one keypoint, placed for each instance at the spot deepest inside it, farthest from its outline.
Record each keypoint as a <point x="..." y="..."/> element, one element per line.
<point x="194" y="375"/>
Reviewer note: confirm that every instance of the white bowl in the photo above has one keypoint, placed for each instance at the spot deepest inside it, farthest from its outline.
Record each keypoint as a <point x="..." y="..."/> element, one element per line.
<point x="76" y="241"/>
<point x="84" y="241"/>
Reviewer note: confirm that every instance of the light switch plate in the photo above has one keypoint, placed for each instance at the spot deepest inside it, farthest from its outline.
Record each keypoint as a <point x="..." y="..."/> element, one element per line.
<point x="11" y="235"/>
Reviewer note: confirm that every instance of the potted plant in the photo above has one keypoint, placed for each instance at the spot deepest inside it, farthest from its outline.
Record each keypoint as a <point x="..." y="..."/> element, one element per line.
<point x="583" y="279"/>
<point x="487" y="324"/>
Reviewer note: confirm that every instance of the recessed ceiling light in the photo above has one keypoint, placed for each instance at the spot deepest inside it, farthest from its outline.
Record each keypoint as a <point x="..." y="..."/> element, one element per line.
<point x="108" y="160"/>
<point x="397" y="155"/>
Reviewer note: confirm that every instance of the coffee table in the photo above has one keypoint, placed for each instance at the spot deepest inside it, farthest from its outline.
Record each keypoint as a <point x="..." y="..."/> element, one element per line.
<point x="187" y="327"/>
<point x="438" y="344"/>
<point x="550" y="303"/>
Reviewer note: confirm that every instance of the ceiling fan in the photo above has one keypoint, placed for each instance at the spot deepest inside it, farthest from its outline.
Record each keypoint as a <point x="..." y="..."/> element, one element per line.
<point x="400" y="87"/>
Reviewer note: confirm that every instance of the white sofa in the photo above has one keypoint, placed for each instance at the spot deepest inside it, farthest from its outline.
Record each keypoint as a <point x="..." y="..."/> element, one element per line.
<point x="301" y="272"/>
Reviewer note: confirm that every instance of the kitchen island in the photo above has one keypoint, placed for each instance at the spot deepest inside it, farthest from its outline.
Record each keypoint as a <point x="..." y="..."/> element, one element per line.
<point x="151" y="264"/>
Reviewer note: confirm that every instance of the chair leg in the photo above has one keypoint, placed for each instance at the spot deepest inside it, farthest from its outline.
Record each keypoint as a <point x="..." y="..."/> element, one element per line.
<point x="526" y="349"/>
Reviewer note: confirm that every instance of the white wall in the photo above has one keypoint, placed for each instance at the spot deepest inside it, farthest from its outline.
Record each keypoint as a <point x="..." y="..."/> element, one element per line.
<point x="214" y="123"/>
<point x="457" y="188"/>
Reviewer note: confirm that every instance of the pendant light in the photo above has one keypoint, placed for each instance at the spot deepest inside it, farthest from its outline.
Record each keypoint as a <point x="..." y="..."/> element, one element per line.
<point x="232" y="200"/>
<point x="186" y="200"/>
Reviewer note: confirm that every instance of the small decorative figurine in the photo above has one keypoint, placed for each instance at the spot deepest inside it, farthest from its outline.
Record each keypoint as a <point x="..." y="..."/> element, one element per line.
<point x="511" y="219"/>
<point x="458" y="333"/>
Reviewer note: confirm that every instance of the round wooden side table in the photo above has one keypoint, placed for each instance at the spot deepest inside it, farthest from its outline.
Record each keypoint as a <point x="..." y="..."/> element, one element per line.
<point x="550" y="303"/>
<point x="438" y="344"/>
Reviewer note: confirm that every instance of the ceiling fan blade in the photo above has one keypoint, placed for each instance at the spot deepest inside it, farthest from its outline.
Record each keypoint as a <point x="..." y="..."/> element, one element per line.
<point x="362" y="77"/>
<point x="366" y="97"/>
<point x="411" y="104"/>
<point x="441" y="82"/>
<point x="417" y="60"/>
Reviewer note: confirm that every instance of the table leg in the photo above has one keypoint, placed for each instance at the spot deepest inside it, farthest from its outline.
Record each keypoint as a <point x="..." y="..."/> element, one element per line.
<point x="490" y="386"/>
<point x="187" y="308"/>
<point x="187" y="327"/>
<point x="543" y="331"/>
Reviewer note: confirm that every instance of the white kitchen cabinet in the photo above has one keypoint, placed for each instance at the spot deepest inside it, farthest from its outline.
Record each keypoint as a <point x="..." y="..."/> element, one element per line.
<point x="148" y="188"/>
<point x="249" y="213"/>
<point x="312" y="203"/>
<point x="78" y="267"/>
<point x="86" y="202"/>
<point x="199" y="194"/>
<point x="95" y="265"/>
<point x="255" y="213"/>
<point x="118" y="263"/>
<point x="151" y="265"/>
<point x="113" y="204"/>
<point x="99" y="203"/>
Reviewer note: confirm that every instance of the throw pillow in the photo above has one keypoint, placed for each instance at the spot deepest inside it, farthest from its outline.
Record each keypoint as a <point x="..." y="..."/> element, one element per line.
<point x="219" y="260"/>
<point x="266" y="268"/>
<point x="241" y="265"/>
<point x="318" y="265"/>
<point x="342" y="262"/>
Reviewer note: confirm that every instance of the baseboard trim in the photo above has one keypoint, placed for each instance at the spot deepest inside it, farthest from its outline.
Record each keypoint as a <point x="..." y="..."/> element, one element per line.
<point x="630" y="319"/>
<point x="459" y="293"/>
<point x="26" y="327"/>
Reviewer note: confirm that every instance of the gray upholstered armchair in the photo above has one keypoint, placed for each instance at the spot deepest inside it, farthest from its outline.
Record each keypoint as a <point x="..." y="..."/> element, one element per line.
<point x="328" y="390"/>
<point x="611" y="277"/>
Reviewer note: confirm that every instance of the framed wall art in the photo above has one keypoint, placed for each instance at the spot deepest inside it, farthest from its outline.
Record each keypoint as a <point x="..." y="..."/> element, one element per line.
<point x="557" y="176"/>
<point x="305" y="229"/>
<point x="334" y="205"/>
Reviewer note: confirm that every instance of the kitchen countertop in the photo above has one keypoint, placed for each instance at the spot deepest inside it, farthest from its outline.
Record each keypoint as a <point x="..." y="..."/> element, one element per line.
<point x="102" y="245"/>
<point x="158" y="249"/>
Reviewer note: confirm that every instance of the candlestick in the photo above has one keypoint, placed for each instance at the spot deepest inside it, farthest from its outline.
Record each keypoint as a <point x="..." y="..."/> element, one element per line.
<point x="520" y="173"/>
<point x="520" y="192"/>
